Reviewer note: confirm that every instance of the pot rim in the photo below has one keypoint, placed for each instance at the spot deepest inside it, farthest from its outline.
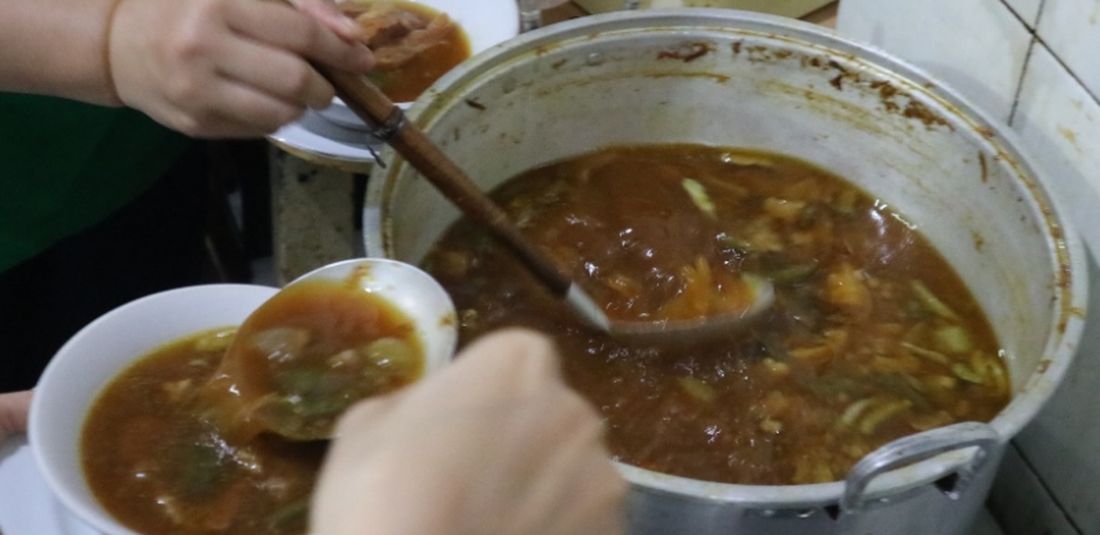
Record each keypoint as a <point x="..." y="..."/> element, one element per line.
<point x="1063" y="243"/>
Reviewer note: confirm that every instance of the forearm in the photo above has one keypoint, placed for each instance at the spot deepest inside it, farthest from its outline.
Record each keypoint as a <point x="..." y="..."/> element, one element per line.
<point x="14" y="407"/>
<point x="56" y="47"/>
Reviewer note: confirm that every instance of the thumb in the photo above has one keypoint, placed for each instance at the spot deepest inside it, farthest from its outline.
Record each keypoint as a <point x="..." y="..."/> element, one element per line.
<point x="14" y="408"/>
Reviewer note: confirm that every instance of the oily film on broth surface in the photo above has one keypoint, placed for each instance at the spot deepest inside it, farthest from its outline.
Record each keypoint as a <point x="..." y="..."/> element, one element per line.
<point x="872" y="337"/>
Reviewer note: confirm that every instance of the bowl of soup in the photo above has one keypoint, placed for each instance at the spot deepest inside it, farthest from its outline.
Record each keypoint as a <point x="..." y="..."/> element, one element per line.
<point x="131" y="428"/>
<point x="416" y="42"/>
<point x="929" y="294"/>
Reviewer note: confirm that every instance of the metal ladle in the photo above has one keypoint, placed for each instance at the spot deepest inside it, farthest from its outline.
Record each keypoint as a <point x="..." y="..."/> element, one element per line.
<point x="390" y="125"/>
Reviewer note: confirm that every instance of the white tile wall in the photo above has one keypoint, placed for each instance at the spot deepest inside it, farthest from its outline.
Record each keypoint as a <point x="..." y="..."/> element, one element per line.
<point x="1021" y="502"/>
<point x="975" y="46"/>
<point x="1072" y="30"/>
<point x="1063" y="443"/>
<point x="1027" y="9"/>
<point x="1060" y="126"/>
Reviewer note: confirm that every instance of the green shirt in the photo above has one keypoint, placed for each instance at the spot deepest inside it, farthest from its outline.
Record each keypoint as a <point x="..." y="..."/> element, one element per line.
<point x="65" y="166"/>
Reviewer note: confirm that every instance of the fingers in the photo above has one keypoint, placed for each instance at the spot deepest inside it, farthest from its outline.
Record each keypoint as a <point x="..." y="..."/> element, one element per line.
<point x="502" y="417"/>
<point x="230" y="110"/>
<point x="521" y="362"/>
<point x="14" y="410"/>
<point x="281" y="26"/>
<point x="330" y="16"/>
<point x="598" y="504"/>
<point x="228" y="68"/>
<point x="281" y="74"/>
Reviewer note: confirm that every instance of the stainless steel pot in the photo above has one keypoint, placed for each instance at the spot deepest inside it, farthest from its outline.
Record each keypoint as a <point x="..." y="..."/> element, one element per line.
<point x="728" y="78"/>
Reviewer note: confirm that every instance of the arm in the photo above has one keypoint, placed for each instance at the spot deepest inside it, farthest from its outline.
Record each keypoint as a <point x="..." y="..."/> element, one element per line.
<point x="13" y="413"/>
<point x="211" y="68"/>
<point x="56" y="47"/>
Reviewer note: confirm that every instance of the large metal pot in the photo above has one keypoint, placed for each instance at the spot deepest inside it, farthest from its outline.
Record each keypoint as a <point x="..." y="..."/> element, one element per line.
<point x="728" y="78"/>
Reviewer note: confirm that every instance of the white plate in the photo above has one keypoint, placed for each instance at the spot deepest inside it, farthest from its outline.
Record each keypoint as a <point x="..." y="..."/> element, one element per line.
<point x="313" y="136"/>
<point x="27" y="507"/>
<point x="337" y="133"/>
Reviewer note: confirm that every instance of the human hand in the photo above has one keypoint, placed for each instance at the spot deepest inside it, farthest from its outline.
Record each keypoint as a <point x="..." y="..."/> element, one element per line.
<point x="228" y="68"/>
<point x="496" y="444"/>
<point x="14" y="407"/>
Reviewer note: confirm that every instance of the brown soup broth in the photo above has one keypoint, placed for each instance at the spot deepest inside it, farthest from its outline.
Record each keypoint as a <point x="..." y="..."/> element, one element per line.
<point x="158" y="467"/>
<point x="166" y="448"/>
<point x="872" y="337"/>
<point x="309" y="353"/>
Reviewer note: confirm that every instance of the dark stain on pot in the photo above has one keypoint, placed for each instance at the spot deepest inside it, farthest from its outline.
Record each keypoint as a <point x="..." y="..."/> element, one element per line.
<point x="889" y="94"/>
<point x="475" y="104"/>
<point x="985" y="167"/>
<point x="979" y="240"/>
<point x="558" y="64"/>
<point x="811" y="61"/>
<point x="886" y="92"/>
<point x="448" y="320"/>
<point x="758" y="53"/>
<point x="985" y="132"/>
<point x="917" y="110"/>
<point x="687" y="52"/>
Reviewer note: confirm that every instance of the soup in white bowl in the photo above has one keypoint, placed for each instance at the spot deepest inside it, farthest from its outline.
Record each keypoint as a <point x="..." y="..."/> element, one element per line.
<point x="119" y="425"/>
<point x="418" y="42"/>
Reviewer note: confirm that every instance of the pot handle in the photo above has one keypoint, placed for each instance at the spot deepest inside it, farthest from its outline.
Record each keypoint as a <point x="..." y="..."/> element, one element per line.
<point x="915" y="448"/>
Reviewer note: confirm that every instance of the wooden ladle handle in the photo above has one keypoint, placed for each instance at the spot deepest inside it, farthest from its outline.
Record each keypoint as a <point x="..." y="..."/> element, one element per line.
<point x="376" y="109"/>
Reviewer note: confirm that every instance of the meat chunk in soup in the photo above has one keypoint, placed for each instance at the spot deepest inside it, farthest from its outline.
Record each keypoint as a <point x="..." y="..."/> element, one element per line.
<point x="413" y="45"/>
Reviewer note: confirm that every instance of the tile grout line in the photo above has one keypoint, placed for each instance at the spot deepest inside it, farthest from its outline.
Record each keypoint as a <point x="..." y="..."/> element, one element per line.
<point x="1046" y="488"/>
<point x="1027" y="55"/>
<point x="1020" y="17"/>
<point x="1037" y="38"/>
<point x="1020" y="81"/>
<point x="1095" y="98"/>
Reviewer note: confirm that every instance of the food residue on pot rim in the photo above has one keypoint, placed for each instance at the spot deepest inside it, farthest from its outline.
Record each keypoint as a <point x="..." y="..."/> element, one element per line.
<point x="359" y="277"/>
<point x="687" y="52"/>
<point x="845" y="77"/>
<point x="979" y="240"/>
<point x="1044" y="364"/>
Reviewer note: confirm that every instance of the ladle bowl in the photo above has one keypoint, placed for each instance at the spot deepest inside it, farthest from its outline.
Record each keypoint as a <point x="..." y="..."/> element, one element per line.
<point x="411" y="292"/>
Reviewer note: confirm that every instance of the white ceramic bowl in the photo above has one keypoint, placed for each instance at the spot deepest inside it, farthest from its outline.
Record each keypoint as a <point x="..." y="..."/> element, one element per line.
<point x="486" y="23"/>
<point x="108" y="345"/>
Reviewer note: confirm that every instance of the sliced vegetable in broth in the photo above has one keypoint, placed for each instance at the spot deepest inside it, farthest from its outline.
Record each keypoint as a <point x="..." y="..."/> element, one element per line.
<point x="872" y="335"/>
<point x="171" y="446"/>
<point x="309" y="353"/>
<point x="158" y="466"/>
